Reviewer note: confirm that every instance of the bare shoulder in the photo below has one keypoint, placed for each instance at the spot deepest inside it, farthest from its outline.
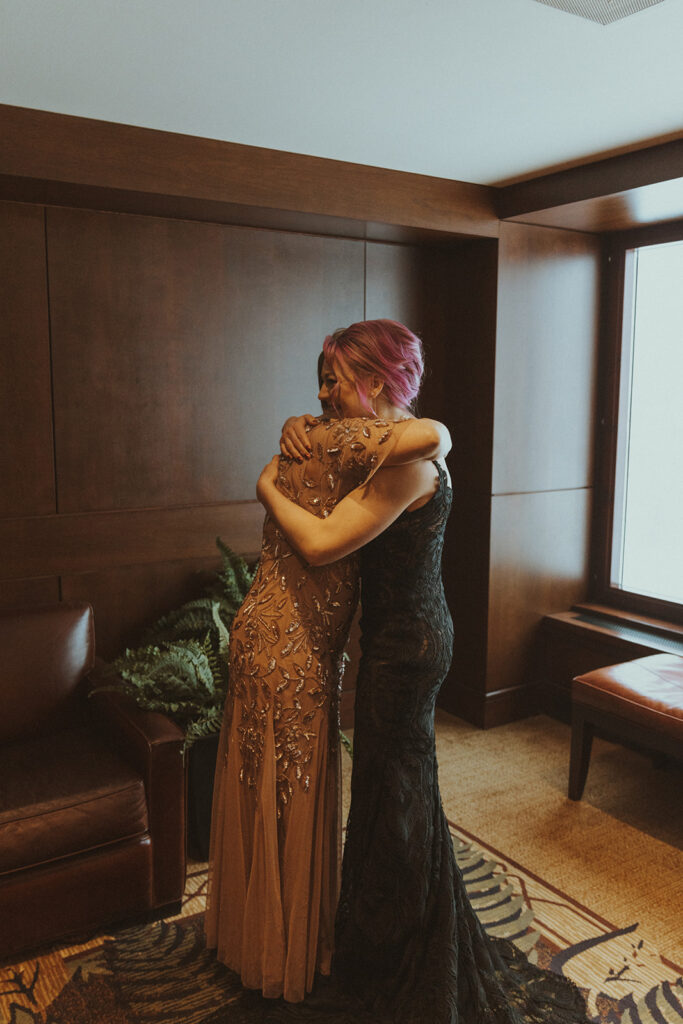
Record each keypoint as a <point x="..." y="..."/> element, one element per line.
<point x="443" y="434"/>
<point x="406" y="483"/>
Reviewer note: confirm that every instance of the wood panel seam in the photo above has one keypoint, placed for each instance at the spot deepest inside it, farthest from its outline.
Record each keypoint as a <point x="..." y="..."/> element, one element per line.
<point x="92" y="513"/>
<point x="544" y="490"/>
<point x="52" y="374"/>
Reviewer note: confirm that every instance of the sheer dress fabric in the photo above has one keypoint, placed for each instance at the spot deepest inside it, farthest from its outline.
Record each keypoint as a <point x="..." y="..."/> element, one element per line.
<point x="275" y="836"/>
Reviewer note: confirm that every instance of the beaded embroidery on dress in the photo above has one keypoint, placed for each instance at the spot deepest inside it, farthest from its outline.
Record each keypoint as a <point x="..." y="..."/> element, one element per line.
<point x="275" y="837"/>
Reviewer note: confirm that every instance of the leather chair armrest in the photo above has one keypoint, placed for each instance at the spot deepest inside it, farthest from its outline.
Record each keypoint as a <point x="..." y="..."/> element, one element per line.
<point x="153" y="744"/>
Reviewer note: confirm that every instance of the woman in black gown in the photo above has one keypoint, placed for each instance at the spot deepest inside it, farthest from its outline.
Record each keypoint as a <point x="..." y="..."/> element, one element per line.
<point x="408" y="944"/>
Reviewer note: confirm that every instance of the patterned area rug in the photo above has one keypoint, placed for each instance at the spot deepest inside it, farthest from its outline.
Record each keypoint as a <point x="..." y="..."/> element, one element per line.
<point x="161" y="974"/>
<point x="624" y="979"/>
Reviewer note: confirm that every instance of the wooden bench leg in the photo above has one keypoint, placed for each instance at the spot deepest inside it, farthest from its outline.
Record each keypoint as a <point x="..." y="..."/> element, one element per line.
<point x="582" y="742"/>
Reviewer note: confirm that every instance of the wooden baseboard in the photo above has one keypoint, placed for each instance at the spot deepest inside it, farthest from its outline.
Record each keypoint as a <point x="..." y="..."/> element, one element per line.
<point x="488" y="710"/>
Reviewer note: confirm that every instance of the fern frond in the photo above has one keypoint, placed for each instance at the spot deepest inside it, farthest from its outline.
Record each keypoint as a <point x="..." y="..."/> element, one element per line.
<point x="181" y="665"/>
<point x="346" y="743"/>
<point x="235" y="576"/>
<point x="192" y="619"/>
<point x="223" y="634"/>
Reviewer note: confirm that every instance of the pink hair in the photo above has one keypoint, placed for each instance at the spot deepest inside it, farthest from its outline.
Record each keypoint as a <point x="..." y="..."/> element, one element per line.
<point x="382" y="348"/>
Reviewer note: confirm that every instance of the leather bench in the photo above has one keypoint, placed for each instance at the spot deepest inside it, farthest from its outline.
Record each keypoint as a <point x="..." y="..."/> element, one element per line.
<point x="638" y="701"/>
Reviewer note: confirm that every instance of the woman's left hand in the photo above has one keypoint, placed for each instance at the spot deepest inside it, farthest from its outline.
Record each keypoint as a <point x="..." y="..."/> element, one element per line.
<point x="268" y="477"/>
<point x="294" y="441"/>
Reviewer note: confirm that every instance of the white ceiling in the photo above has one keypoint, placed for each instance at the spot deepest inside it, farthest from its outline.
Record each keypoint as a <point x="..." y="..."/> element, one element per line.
<point x="477" y="90"/>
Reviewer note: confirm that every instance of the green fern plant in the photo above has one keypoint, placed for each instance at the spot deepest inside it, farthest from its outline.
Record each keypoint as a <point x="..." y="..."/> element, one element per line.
<point x="181" y="667"/>
<point x="346" y="743"/>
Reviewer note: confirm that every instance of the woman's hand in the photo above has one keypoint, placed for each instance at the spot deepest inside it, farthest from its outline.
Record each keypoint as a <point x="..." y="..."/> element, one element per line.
<point x="267" y="479"/>
<point x="294" y="441"/>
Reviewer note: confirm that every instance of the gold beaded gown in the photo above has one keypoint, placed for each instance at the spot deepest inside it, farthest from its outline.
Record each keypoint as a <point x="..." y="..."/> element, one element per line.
<point x="275" y="846"/>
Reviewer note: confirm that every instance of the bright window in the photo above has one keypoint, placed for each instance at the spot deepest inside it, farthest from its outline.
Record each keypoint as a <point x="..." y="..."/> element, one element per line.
<point x="647" y="536"/>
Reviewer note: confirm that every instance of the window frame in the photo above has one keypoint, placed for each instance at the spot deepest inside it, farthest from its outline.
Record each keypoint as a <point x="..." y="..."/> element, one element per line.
<point x="614" y="251"/>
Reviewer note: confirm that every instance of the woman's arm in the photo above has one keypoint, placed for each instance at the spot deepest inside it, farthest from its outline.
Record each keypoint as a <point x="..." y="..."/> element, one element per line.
<point x="358" y="518"/>
<point x="420" y="439"/>
<point x="415" y="439"/>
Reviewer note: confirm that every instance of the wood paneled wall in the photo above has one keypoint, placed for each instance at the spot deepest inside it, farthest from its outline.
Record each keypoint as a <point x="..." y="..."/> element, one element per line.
<point x="545" y="381"/>
<point x="149" y="365"/>
<point x="200" y="339"/>
<point x="450" y="298"/>
<point x="159" y="324"/>
<point x="26" y="457"/>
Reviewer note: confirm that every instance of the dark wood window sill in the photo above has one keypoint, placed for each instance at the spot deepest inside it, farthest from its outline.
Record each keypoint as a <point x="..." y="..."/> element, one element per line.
<point x="590" y="636"/>
<point x="658" y="633"/>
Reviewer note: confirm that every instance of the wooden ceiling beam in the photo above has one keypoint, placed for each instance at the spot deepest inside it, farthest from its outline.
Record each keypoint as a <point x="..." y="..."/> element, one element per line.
<point x="614" y="194"/>
<point x="70" y="156"/>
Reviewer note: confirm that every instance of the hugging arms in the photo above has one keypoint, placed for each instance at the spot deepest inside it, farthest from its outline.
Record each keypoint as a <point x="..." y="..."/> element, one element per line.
<point x="405" y="481"/>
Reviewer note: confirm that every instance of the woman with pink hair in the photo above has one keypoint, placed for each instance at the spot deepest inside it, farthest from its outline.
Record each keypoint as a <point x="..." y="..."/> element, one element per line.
<point x="408" y="946"/>
<point x="275" y="851"/>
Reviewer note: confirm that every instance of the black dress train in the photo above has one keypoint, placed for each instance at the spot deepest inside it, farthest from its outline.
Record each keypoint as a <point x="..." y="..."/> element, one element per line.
<point x="407" y="942"/>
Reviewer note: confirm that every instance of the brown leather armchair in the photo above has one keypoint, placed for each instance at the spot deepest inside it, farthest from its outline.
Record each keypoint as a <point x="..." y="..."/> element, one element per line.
<point x="92" y="789"/>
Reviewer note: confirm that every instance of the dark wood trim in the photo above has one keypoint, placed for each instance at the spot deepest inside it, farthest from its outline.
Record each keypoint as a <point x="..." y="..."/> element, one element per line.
<point x="503" y="706"/>
<point x="651" y="205"/>
<point x="609" y="363"/>
<point x="599" y="179"/>
<point x="87" y="542"/>
<point x="658" y="626"/>
<point x="654" y="234"/>
<point x="50" y="151"/>
<point x="640" y="603"/>
<point x="107" y="200"/>
<point x="605" y="633"/>
<point x="488" y="710"/>
<point x="112" y="200"/>
<point x="612" y="317"/>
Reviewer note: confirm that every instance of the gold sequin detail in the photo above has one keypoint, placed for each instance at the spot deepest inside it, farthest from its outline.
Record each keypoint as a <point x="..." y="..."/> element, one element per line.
<point x="288" y="637"/>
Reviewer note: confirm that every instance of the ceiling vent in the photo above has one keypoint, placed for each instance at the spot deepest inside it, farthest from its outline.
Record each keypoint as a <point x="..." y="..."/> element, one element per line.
<point x="602" y="11"/>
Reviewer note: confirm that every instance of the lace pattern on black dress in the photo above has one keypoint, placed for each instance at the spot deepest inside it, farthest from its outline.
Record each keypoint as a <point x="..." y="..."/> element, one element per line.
<point x="408" y="943"/>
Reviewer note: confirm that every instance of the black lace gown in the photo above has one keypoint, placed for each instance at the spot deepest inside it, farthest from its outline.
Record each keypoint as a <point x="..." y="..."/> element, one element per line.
<point x="408" y="944"/>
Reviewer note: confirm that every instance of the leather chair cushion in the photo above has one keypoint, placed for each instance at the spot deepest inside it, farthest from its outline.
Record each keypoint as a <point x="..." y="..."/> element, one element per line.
<point x="46" y="652"/>
<point x="647" y="690"/>
<point x="65" y="794"/>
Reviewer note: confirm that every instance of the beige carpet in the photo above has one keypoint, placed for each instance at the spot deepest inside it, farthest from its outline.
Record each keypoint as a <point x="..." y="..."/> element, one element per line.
<point x="618" y="851"/>
<point x="591" y="889"/>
